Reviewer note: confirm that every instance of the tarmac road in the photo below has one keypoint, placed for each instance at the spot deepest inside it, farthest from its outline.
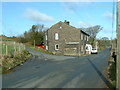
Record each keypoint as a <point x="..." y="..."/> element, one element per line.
<point x="51" y="71"/>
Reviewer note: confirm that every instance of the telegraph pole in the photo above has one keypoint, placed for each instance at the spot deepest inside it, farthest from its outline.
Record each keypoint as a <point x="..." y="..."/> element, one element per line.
<point x="118" y="45"/>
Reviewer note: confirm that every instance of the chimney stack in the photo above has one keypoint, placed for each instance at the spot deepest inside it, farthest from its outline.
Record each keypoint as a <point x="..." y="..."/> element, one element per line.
<point x="67" y="22"/>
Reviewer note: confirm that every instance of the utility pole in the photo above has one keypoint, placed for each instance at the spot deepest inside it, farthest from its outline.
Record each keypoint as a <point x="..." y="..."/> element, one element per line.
<point x="118" y="45"/>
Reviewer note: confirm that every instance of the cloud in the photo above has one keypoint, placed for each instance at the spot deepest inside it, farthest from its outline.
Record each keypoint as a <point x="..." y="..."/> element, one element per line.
<point x="37" y="16"/>
<point x="82" y="24"/>
<point x="73" y="7"/>
<point x="108" y="15"/>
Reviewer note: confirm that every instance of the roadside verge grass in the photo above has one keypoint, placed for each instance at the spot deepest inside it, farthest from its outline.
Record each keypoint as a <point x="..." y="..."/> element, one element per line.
<point x="38" y="49"/>
<point x="112" y="74"/>
<point x="9" y="62"/>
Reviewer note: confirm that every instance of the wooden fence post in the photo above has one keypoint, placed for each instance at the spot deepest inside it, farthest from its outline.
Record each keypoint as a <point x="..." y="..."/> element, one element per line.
<point x="24" y="47"/>
<point x="6" y="50"/>
<point x="14" y="47"/>
<point x="19" y="48"/>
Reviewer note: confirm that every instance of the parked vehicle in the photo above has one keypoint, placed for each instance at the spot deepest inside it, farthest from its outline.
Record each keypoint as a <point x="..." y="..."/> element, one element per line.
<point x="94" y="51"/>
<point x="88" y="48"/>
<point x="42" y="47"/>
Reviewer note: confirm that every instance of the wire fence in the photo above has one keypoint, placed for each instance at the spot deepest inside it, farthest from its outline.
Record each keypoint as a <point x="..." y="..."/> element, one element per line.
<point x="10" y="47"/>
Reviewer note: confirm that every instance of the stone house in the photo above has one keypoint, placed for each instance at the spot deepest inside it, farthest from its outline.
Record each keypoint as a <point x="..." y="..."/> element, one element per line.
<point x="62" y="38"/>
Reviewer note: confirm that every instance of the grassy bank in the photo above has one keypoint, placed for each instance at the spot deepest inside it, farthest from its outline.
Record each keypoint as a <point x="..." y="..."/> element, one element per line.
<point x="112" y="74"/>
<point x="9" y="47"/>
<point x="12" y="54"/>
<point x="3" y="48"/>
<point x="9" y="62"/>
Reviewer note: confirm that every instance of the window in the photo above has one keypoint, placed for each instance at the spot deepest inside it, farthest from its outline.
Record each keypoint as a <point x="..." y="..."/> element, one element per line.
<point x="60" y="27"/>
<point x="46" y="37"/>
<point x="56" y="47"/>
<point x="56" y="36"/>
<point x="81" y="36"/>
<point x="87" y="38"/>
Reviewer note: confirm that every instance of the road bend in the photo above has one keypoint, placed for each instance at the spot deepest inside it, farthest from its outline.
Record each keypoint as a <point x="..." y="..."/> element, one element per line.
<point x="51" y="71"/>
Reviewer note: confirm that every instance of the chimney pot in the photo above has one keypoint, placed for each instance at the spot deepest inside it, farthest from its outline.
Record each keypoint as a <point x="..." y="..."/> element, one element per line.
<point x="67" y="22"/>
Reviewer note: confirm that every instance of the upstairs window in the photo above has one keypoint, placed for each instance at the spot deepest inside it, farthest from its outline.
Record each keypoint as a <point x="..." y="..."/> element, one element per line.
<point x="87" y="38"/>
<point x="60" y="27"/>
<point x="81" y="36"/>
<point x="56" y="36"/>
<point x="46" y="37"/>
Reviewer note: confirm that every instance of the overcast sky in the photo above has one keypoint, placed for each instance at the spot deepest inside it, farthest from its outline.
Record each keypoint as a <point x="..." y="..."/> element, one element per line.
<point x="18" y="17"/>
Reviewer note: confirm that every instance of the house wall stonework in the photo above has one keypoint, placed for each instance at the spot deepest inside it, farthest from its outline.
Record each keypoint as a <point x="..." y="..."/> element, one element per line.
<point x="69" y="39"/>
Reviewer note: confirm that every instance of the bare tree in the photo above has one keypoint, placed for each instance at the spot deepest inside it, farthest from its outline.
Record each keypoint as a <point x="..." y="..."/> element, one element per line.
<point x="93" y="31"/>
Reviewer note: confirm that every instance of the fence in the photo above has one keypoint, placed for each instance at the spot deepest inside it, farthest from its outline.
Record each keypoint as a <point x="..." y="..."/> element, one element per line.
<point x="10" y="47"/>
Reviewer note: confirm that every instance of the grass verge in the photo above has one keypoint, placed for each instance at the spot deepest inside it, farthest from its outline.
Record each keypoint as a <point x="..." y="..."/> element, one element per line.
<point x="112" y="74"/>
<point x="38" y="49"/>
<point x="9" y="62"/>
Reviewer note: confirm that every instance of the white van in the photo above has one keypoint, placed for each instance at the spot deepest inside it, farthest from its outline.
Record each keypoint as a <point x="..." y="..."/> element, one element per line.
<point x="88" y="48"/>
<point x="94" y="51"/>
